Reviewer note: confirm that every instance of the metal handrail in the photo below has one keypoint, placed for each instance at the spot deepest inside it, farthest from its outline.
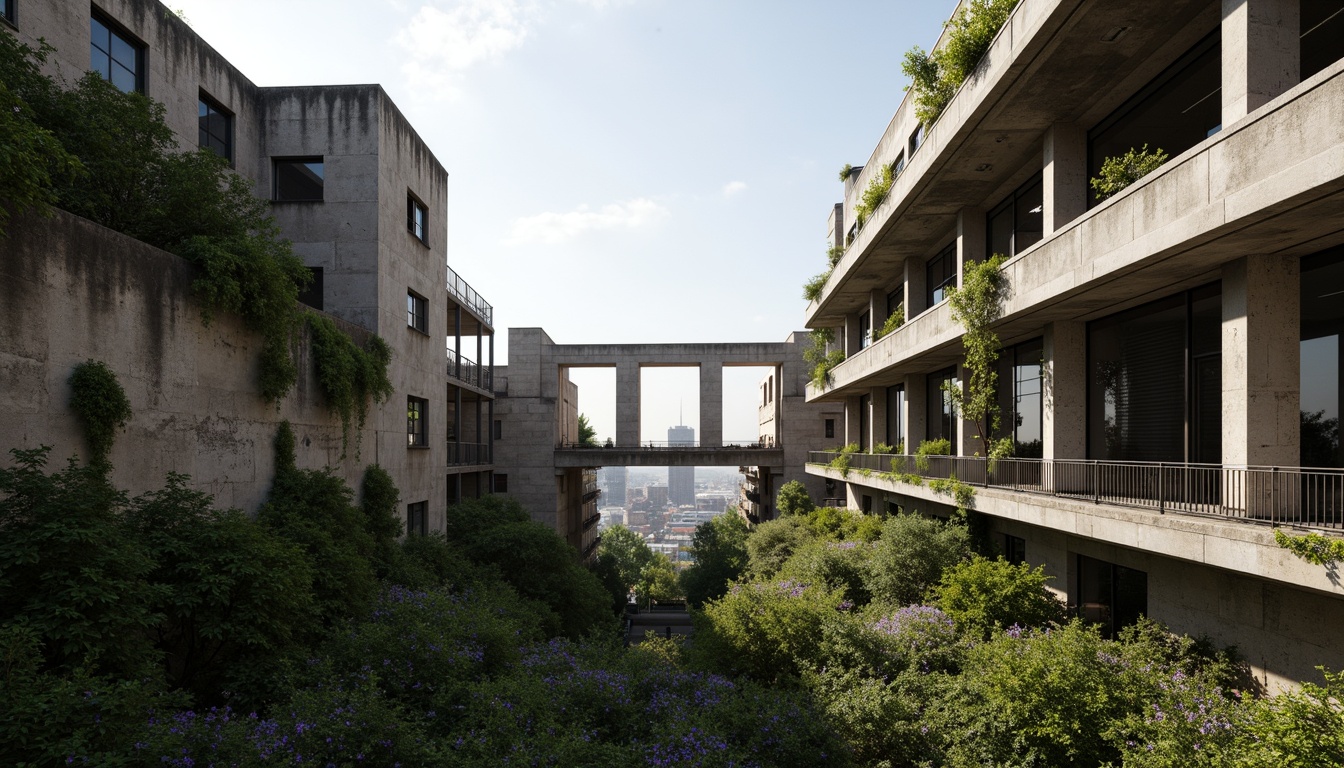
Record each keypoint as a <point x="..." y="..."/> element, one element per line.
<point x="468" y="453"/>
<point x="466" y="370"/>
<point x="1301" y="496"/>
<point x="663" y="445"/>
<point x="465" y="294"/>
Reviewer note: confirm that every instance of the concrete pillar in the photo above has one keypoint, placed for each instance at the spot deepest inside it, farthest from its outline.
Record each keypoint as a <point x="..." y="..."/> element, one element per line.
<point x="1261" y="53"/>
<point x="971" y="238"/>
<point x="778" y="402"/>
<point x="1261" y="361"/>
<point x="968" y="441"/>
<point x="852" y="420"/>
<point x="1064" y="175"/>
<point x="627" y="403"/>
<point x="877" y="311"/>
<point x="711" y="404"/>
<point x="916" y="409"/>
<point x="877" y="423"/>
<point x="1064" y="391"/>
<point x="916" y="288"/>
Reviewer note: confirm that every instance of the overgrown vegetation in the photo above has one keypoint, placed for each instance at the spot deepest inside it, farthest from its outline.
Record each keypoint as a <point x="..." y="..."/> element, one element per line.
<point x="976" y="304"/>
<point x="793" y="499"/>
<point x="894" y="320"/>
<point x="815" y="285"/>
<point x="873" y="195"/>
<point x="350" y="376"/>
<point x="587" y="435"/>
<point x="821" y="360"/>
<point x="647" y="575"/>
<point x="845" y="172"/>
<point x="1117" y="173"/>
<point x="111" y="157"/>
<point x="935" y="77"/>
<point x="98" y="400"/>
<point x="1312" y="547"/>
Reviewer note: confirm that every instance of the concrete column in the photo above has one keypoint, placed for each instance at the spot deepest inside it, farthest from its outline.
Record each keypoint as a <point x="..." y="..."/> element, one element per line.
<point x="1261" y="361"/>
<point x="711" y="404"/>
<point x="971" y="238"/>
<point x="968" y="437"/>
<point x="1064" y="175"/>
<point x="877" y="310"/>
<point x="1064" y="391"/>
<point x="1261" y="53"/>
<point x="627" y="404"/>
<point x="877" y="422"/>
<point x="457" y="341"/>
<point x="778" y="403"/>
<point x="852" y="420"/>
<point x="916" y="286"/>
<point x="916" y="408"/>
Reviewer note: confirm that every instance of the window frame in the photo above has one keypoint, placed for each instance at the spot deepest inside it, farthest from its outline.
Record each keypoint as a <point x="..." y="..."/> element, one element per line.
<point x="935" y="294"/>
<point x="417" y="422"/>
<point x="118" y="31"/>
<point x="417" y="518"/>
<point x="277" y="162"/>
<point x="204" y="100"/>
<point x="10" y="15"/>
<point x="415" y="205"/>
<point x="417" y="321"/>
<point x="829" y="428"/>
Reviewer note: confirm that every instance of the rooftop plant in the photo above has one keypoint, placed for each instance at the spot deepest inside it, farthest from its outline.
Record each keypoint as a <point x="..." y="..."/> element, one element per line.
<point x="1117" y="173"/>
<point x="936" y="76"/>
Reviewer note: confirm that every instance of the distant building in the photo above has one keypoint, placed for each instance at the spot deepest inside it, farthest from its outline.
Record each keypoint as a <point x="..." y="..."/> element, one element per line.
<point x="681" y="480"/>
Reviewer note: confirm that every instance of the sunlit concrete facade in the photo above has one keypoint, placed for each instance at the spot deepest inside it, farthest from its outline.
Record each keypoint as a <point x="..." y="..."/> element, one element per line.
<point x="364" y="202"/>
<point x="1181" y="331"/>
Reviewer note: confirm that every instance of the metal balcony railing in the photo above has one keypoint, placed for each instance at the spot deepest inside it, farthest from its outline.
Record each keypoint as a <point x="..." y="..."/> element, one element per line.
<point x="468" y="453"/>
<point x="675" y="445"/>
<point x="467" y="296"/>
<point x="1309" y="497"/>
<point x="469" y="372"/>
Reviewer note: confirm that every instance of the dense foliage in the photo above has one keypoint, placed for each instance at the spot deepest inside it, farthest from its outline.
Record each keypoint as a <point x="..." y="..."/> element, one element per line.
<point x="1119" y="172"/>
<point x="98" y="400"/>
<point x="720" y="550"/>
<point x="935" y="77"/>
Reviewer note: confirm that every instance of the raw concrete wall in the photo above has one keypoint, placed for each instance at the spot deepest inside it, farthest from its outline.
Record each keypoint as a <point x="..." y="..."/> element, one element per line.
<point x="71" y="290"/>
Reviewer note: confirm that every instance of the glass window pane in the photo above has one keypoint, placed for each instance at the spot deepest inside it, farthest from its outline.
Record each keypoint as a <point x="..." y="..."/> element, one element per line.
<point x="98" y="62"/>
<point x="98" y="34"/>
<point x="123" y="78"/>
<point x="1322" y="357"/>
<point x="123" y="52"/>
<point x="1030" y="219"/>
<point x="298" y="180"/>
<point x="1001" y="231"/>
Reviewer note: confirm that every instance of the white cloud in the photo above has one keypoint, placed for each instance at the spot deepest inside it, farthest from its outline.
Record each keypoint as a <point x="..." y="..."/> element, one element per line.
<point x="447" y="37"/>
<point x="550" y="228"/>
<point x="733" y="188"/>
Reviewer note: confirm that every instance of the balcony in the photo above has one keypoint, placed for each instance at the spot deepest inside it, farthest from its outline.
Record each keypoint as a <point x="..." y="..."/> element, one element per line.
<point x="467" y="296"/>
<point x="460" y="454"/>
<point x="469" y="372"/>
<point x="1272" y="495"/>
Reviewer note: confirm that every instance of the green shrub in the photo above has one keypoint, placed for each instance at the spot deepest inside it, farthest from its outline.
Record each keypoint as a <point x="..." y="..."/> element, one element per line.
<point x="894" y="320"/>
<point x="911" y="557"/>
<point x="379" y="499"/>
<point x="873" y="195"/>
<point x="937" y="447"/>
<point x="98" y="399"/>
<point x="836" y="566"/>
<point x="793" y="499"/>
<point x="935" y="77"/>
<point x="815" y="285"/>
<point x="1117" y="173"/>
<point x="774" y="542"/>
<point x="766" y="630"/>
<point x="1303" y="727"/>
<point x="983" y="596"/>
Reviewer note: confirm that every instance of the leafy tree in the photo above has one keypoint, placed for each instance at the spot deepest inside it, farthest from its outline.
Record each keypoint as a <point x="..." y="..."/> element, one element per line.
<point x="382" y="519"/>
<point x="911" y="557"/>
<point x="658" y="581"/>
<point x="983" y="596"/>
<point x="793" y="499"/>
<point x="976" y="304"/>
<point x="32" y="160"/>
<point x="627" y="552"/>
<point x="720" y="549"/>
<point x="1299" y="728"/>
<point x="773" y="542"/>
<point x="587" y="435"/>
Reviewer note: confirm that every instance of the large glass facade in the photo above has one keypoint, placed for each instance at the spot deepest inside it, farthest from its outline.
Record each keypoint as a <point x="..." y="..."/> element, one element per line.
<point x="939" y="420"/>
<point x="1178" y="109"/>
<point x="1155" y="381"/>
<point x="1322" y="352"/>
<point x="896" y="418"/>
<point x="1018" y="222"/>
<point x="1322" y="24"/>
<point x="1019" y="371"/>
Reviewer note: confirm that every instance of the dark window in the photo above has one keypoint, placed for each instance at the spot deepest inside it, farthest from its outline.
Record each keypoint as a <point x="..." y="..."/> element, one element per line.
<point x="312" y="295"/>
<point x="417" y="514"/>
<point x="830" y="427"/>
<point x="865" y="329"/>
<point x="1019" y="384"/>
<point x="1155" y="381"/>
<point x="865" y="419"/>
<point x="501" y="483"/>
<point x="298" y="179"/>
<point x="895" y="299"/>
<point x="417" y="422"/>
<point x="417" y="219"/>
<point x="115" y="55"/>
<point x="1110" y="595"/>
<point x="1017" y="223"/>
<point x="1014" y="549"/>
<point x="940" y="422"/>
<point x="499" y="429"/>
<point x="895" y="412"/>
<point x="941" y="274"/>
<point x="417" y="312"/>
<point x="866" y="504"/>
<point x="898" y="165"/>
<point x="916" y="139"/>
<point x="1322" y="349"/>
<point x="7" y="10"/>
<point x="1178" y="109"/>
<point x="216" y="127"/>
<point x="1322" y="35"/>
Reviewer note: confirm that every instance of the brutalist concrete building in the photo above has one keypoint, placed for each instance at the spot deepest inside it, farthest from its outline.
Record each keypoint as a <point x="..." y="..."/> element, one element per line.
<point x="364" y="201"/>
<point x="1171" y="355"/>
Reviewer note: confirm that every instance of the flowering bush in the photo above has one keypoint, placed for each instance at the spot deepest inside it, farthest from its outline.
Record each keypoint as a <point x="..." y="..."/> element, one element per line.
<point x="766" y="630"/>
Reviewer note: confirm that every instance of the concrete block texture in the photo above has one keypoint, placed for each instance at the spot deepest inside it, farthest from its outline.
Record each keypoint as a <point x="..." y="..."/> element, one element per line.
<point x="1260" y="53"/>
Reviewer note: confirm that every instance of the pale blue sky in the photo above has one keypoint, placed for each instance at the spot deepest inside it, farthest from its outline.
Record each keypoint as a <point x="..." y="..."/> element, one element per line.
<point x="619" y="170"/>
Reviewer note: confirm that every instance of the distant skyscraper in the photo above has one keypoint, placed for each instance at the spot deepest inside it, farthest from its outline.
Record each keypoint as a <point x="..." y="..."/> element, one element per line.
<point x="615" y="480"/>
<point x="681" y="480"/>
